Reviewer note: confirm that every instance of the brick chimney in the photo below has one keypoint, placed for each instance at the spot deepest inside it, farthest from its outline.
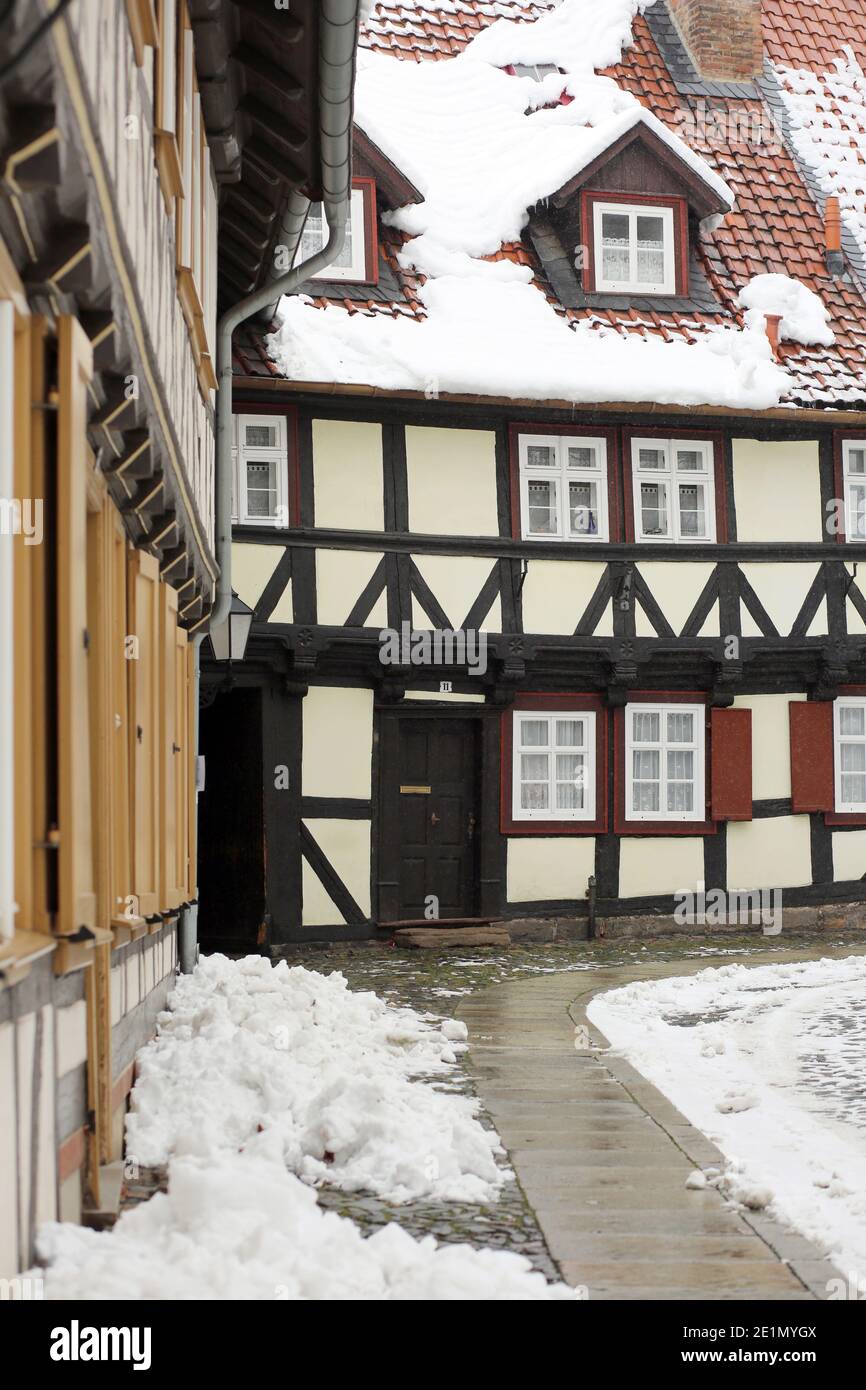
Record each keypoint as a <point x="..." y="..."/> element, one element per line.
<point x="722" y="36"/>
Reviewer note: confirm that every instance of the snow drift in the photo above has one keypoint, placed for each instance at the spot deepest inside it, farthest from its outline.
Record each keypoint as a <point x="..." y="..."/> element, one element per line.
<point x="289" y="1064"/>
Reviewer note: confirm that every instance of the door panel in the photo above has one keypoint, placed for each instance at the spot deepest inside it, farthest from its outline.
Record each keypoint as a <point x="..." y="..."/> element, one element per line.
<point x="430" y="790"/>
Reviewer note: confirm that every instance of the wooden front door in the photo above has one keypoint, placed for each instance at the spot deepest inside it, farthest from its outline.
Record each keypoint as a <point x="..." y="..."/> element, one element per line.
<point x="432" y="788"/>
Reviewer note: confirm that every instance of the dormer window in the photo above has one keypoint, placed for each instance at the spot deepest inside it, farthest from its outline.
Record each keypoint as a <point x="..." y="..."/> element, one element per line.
<point x="357" y="262"/>
<point x="634" y="248"/>
<point x="537" y="71"/>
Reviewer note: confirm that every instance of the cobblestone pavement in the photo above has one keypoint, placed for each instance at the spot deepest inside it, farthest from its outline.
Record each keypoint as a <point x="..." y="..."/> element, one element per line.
<point x="435" y="983"/>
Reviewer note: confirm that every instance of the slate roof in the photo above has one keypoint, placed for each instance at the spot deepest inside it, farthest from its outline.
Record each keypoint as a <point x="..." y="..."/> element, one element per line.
<point x="777" y="225"/>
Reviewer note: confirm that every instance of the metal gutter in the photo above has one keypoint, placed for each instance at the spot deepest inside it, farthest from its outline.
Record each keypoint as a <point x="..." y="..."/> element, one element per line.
<point x="338" y="37"/>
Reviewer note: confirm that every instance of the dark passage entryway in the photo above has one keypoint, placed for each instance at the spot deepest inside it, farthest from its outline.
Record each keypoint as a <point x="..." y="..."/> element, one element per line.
<point x="429" y="815"/>
<point x="231" y="855"/>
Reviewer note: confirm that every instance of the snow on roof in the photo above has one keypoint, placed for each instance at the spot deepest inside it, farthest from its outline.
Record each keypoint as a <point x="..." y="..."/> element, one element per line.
<point x="484" y="147"/>
<point x="827" y="114"/>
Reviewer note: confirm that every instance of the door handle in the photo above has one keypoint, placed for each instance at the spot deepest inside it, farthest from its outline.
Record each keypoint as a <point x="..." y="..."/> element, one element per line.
<point x="470" y="825"/>
<point x="434" y="819"/>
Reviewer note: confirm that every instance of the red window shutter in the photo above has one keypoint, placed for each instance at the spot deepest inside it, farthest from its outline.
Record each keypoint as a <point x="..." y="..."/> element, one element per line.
<point x="731" y="764"/>
<point x="811" y="755"/>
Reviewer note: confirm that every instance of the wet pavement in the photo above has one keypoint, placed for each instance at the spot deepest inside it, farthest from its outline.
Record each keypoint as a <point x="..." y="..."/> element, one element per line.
<point x="571" y="1213"/>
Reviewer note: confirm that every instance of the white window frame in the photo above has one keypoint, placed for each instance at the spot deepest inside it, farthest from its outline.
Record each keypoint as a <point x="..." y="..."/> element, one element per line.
<point x="698" y="746"/>
<point x="357" y="270"/>
<point x="552" y="813"/>
<point x="673" y="476"/>
<point x="849" y="481"/>
<point x="561" y="474"/>
<point x="633" y="211"/>
<point x="843" y="702"/>
<point x="242" y="454"/>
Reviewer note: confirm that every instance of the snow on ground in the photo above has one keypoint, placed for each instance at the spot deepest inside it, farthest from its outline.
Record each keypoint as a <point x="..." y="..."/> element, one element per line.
<point x="291" y="1065"/>
<point x="237" y="1227"/>
<point x="827" y="114"/>
<point x="762" y="1059"/>
<point x="483" y="147"/>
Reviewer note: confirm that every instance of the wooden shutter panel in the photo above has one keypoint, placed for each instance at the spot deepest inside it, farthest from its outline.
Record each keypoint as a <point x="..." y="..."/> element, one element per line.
<point x="76" y="897"/>
<point x="731" y="764"/>
<point x="172" y="742"/>
<point x="811" y="755"/>
<point x="144" y="757"/>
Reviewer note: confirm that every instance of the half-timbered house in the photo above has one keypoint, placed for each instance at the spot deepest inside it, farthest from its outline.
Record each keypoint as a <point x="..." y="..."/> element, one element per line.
<point x="588" y="382"/>
<point x="137" y="136"/>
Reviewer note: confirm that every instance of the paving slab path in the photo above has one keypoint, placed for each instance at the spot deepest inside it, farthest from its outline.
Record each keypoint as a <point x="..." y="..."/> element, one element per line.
<point x="603" y="1156"/>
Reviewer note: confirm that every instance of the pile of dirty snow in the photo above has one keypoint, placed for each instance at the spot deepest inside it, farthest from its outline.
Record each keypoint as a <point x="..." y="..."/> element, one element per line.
<point x="244" y="1228"/>
<point x="769" y="1062"/>
<point x="290" y="1065"/>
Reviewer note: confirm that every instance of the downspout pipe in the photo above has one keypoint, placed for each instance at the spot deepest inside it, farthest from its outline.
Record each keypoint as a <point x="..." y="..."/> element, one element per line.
<point x="338" y="36"/>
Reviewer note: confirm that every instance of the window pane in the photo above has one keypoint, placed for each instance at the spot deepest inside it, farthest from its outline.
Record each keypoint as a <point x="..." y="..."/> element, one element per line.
<point x="541" y="456"/>
<point x="645" y="727"/>
<point x="614" y="247"/>
<point x="651" y="458"/>
<point x="261" y="436"/>
<point x="261" y="489"/>
<point x="581" y="457"/>
<point x="854" y="788"/>
<point x="569" y="781"/>
<point x="692" y="510"/>
<point x="650" y="250"/>
<point x="681" y="766"/>
<point x="543" y="512"/>
<point x="853" y="757"/>
<point x="690" y="459"/>
<point x="852" y="719"/>
<point x="645" y="796"/>
<point x="569" y="733"/>
<point x="533" y="733"/>
<point x="856" y="520"/>
<point x="645" y="765"/>
<point x="583" y="508"/>
<point x="680" y="796"/>
<point x="653" y="509"/>
<point x="314" y="234"/>
<point x="857" y="460"/>
<point x="534" y="767"/>
<point x="534" y="796"/>
<point x="681" y="728"/>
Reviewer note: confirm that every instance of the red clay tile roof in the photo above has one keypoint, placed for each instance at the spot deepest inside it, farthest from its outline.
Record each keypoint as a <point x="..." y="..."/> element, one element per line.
<point x="776" y="225"/>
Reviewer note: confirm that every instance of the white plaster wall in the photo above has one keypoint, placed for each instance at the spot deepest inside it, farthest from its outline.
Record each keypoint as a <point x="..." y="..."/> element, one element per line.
<point x="338" y="741"/>
<point x="252" y="567"/>
<point x="346" y="846"/>
<point x="771" y="744"/>
<point x="849" y="854"/>
<point x="556" y="593"/>
<point x="8" y="1154"/>
<point x="452" y="481"/>
<point x="782" y="590"/>
<point x="654" y="865"/>
<point x="543" y="870"/>
<point x="676" y="589"/>
<point x="341" y="577"/>
<point x="772" y="853"/>
<point x="71" y="1036"/>
<point x="319" y="908"/>
<point x="347" y="475"/>
<point x="777" y="490"/>
<point x="456" y="581"/>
